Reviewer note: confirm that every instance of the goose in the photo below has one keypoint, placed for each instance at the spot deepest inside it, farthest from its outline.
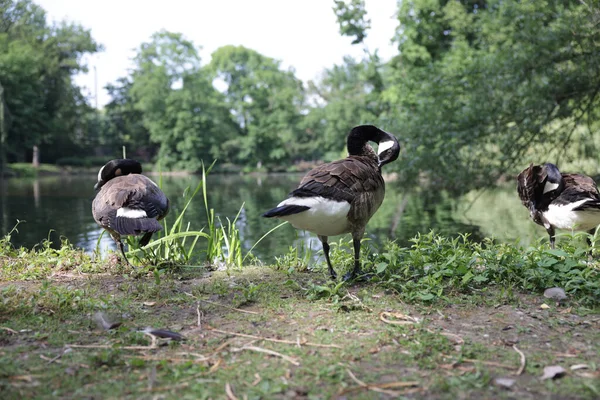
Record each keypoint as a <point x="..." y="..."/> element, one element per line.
<point x="128" y="203"/>
<point x="559" y="201"/>
<point x="341" y="196"/>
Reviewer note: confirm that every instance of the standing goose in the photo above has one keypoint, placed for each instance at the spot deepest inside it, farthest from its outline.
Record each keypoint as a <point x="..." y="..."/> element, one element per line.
<point x="559" y="201"/>
<point x="128" y="203"/>
<point x="341" y="196"/>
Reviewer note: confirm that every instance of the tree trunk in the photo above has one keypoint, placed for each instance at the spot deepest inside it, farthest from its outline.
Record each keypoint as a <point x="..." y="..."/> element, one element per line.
<point x="35" y="158"/>
<point x="3" y="133"/>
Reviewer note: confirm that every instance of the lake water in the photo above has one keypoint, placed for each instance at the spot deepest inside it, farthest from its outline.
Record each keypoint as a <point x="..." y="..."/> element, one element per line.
<point x="61" y="206"/>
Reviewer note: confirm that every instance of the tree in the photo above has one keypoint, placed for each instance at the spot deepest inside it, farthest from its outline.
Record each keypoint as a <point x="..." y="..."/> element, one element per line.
<point x="125" y="123"/>
<point x="37" y="62"/>
<point x="479" y="84"/>
<point x="346" y="95"/>
<point x="352" y="18"/>
<point x="184" y="115"/>
<point x="266" y="102"/>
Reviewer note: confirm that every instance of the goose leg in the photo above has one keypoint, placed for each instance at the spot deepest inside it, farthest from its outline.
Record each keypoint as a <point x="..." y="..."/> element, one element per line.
<point x="552" y="237"/>
<point x="356" y="237"/>
<point x="323" y="240"/>
<point x="121" y="247"/>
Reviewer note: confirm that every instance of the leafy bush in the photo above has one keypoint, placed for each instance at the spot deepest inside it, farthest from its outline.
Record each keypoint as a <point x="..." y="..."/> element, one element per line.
<point x="435" y="266"/>
<point x="90" y="161"/>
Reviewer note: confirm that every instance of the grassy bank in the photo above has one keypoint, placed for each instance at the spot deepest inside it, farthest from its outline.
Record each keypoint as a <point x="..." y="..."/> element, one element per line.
<point x="75" y="166"/>
<point x="441" y="319"/>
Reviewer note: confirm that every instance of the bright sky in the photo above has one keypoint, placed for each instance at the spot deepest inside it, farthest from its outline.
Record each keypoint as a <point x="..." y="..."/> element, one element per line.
<point x="303" y="34"/>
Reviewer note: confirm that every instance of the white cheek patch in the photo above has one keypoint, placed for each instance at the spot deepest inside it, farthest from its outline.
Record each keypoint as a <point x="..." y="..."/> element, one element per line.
<point x="550" y="186"/>
<point x="131" y="213"/>
<point x="100" y="174"/>
<point x="383" y="146"/>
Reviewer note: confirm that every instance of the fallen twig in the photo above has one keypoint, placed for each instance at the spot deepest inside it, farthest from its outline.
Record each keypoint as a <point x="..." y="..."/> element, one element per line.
<point x="222" y="305"/>
<point x="294" y="342"/>
<point x="270" y="352"/>
<point x="200" y="314"/>
<point x="62" y="353"/>
<point x="381" y="387"/>
<point x="229" y="392"/>
<point x="165" y="388"/>
<point x="50" y="360"/>
<point x="566" y="355"/>
<point x="107" y="346"/>
<point x="171" y="359"/>
<point x="257" y="380"/>
<point x="11" y="331"/>
<point x="523" y="360"/>
<point x="404" y="319"/>
<point x="215" y="366"/>
<point x="457" y="339"/>
<point x="490" y="363"/>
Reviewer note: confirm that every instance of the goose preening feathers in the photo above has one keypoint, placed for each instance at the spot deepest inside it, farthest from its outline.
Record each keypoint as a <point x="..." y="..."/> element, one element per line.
<point x="128" y="203"/>
<point x="559" y="201"/>
<point x="342" y="196"/>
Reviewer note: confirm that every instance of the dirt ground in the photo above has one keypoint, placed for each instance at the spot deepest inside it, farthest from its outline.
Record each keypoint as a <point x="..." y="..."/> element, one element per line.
<point x="259" y="333"/>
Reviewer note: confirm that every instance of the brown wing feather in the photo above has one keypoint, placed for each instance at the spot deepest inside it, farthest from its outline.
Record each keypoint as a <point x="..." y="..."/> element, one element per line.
<point x="528" y="182"/>
<point x="355" y="179"/>
<point x="581" y="183"/>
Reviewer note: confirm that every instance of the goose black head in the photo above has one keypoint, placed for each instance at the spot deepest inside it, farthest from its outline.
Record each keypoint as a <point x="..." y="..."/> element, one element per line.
<point x="554" y="182"/>
<point x="388" y="146"/>
<point x="538" y="186"/>
<point x="118" y="167"/>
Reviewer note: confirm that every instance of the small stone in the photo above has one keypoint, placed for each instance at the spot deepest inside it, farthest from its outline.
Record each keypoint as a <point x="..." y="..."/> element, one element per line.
<point x="555" y="293"/>
<point x="505" y="382"/>
<point x="553" y="371"/>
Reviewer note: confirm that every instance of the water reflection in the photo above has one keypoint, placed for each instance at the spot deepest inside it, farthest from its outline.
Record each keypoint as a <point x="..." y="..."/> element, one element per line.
<point x="61" y="206"/>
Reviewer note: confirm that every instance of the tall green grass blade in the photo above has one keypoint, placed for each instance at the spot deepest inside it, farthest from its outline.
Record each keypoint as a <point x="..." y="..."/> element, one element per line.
<point x="262" y="237"/>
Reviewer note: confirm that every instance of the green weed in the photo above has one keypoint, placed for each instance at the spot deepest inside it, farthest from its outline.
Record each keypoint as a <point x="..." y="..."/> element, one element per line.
<point x="435" y="267"/>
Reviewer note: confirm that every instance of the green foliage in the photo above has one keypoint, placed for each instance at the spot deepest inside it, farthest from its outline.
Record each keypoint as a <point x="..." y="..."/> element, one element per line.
<point x="351" y="16"/>
<point x="266" y="102"/>
<point x="298" y="258"/>
<point x="37" y="62"/>
<point x="349" y="94"/>
<point x="435" y="267"/>
<point x="177" y="245"/>
<point x="482" y="86"/>
<point x="171" y="247"/>
<point x="224" y="245"/>
<point x="40" y="261"/>
<point x="27" y="170"/>
<point x="78" y="161"/>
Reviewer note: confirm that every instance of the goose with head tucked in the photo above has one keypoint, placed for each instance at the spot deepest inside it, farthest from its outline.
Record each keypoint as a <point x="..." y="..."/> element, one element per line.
<point x="558" y="200"/>
<point x="128" y="203"/>
<point x="341" y="196"/>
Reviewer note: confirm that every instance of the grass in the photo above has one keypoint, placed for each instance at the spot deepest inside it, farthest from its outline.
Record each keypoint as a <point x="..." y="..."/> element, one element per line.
<point x="441" y="320"/>
<point x="178" y="244"/>
<point x="28" y="170"/>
